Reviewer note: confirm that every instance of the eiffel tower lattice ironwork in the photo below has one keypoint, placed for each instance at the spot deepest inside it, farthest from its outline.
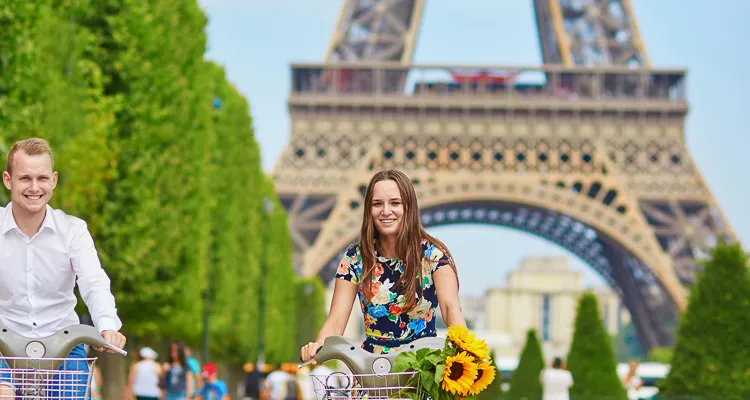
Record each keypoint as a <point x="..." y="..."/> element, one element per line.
<point x="587" y="151"/>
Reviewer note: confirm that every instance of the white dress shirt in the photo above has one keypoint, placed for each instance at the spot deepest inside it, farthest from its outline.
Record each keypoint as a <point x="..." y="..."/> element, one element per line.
<point x="37" y="276"/>
<point x="556" y="383"/>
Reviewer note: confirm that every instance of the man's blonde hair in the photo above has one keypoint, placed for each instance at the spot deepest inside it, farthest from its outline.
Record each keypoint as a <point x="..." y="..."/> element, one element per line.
<point x="32" y="147"/>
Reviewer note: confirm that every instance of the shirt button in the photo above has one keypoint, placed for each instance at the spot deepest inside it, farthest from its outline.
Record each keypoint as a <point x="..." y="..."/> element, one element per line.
<point x="34" y="323"/>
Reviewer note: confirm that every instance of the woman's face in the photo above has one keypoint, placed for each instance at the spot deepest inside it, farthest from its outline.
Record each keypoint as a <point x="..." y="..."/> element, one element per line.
<point x="387" y="208"/>
<point x="175" y="352"/>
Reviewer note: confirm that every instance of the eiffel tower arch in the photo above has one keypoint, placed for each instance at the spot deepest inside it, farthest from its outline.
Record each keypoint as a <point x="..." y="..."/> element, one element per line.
<point x="587" y="150"/>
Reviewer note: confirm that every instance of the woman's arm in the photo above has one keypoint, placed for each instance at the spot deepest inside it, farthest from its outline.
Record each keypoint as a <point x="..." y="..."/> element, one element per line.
<point x="342" y="302"/>
<point x="344" y="293"/>
<point x="446" y="286"/>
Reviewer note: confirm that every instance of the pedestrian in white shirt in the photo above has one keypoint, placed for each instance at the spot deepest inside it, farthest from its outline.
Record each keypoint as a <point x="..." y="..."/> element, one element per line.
<point x="556" y="381"/>
<point x="43" y="254"/>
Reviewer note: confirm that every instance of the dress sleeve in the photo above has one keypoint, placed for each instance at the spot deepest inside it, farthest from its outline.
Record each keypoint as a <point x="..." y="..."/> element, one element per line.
<point x="350" y="266"/>
<point x="435" y="255"/>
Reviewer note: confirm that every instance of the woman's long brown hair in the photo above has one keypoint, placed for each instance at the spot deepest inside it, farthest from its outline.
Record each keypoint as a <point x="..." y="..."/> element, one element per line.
<point x="408" y="242"/>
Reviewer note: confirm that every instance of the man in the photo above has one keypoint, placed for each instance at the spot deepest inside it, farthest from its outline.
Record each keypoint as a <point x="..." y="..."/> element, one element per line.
<point x="43" y="254"/>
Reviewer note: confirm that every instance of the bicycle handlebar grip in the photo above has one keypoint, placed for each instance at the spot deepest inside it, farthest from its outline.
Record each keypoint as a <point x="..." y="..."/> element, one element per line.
<point x="55" y="346"/>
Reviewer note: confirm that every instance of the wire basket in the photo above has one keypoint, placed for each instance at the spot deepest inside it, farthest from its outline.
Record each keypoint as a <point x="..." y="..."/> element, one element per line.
<point x="46" y="378"/>
<point x="340" y="386"/>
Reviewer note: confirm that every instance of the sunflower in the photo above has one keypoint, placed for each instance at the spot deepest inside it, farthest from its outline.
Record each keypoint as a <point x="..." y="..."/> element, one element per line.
<point x="468" y="342"/>
<point x="485" y="376"/>
<point x="460" y="373"/>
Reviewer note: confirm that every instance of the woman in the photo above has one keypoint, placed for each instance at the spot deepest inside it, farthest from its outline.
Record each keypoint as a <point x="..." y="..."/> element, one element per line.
<point x="144" y="376"/>
<point x="396" y="270"/>
<point x="632" y="382"/>
<point x="177" y="380"/>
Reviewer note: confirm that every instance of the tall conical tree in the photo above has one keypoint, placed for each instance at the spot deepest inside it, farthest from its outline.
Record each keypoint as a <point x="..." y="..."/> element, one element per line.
<point x="712" y="353"/>
<point x="524" y="382"/>
<point x="591" y="359"/>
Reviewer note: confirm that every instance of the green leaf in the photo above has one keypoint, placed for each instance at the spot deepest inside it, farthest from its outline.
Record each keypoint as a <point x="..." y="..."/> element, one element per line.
<point x="405" y="361"/>
<point x="422" y="353"/>
<point x="426" y="379"/>
<point x="439" y="371"/>
<point x="435" y="357"/>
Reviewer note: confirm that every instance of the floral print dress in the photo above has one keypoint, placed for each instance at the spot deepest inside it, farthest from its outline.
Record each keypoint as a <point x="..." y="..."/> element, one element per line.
<point x="386" y="326"/>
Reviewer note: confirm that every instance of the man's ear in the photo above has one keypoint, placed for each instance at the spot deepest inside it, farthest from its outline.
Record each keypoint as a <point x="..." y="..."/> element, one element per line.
<point x="6" y="179"/>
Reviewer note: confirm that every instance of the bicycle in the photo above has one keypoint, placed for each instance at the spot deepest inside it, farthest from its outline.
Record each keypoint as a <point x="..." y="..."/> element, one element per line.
<point x="30" y="367"/>
<point x="372" y="375"/>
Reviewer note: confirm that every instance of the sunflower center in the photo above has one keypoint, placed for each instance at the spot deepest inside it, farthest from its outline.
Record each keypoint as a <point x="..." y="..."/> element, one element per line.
<point x="479" y="374"/>
<point x="457" y="371"/>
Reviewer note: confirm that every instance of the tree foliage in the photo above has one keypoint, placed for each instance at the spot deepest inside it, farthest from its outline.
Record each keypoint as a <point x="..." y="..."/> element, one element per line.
<point x="310" y="309"/>
<point x="524" y="382"/>
<point x="712" y="354"/>
<point x="155" y="150"/>
<point x="279" y="322"/>
<point x="591" y="359"/>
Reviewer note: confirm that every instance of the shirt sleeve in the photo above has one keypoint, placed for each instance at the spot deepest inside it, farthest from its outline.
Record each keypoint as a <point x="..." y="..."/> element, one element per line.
<point x="93" y="282"/>
<point x="437" y="258"/>
<point x="350" y="266"/>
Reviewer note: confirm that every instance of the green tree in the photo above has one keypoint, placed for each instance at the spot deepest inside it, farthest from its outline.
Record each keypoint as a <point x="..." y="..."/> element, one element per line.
<point x="237" y="239"/>
<point x="524" y="382"/>
<point x="155" y="229"/>
<point x="310" y="308"/>
<point x="279" y="315"/>
<point x="712" y="353"/>
<point x="51" y="88"/>
<point x="661" y="354"/>
<point x="591" y="359"/>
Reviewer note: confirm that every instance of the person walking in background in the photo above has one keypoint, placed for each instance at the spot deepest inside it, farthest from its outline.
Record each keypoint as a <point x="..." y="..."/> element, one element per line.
<point x="143" y="382"/>
<point x="96" y="383"/>
<point x="213" y="388"/>
<point x="631" y="381"/>
<point x="275" y="384"/>
<point x="252" y="382"/>
<point x="195" y="368"/>
<point x="177" y="380"/>
<point x="556" y="381"/>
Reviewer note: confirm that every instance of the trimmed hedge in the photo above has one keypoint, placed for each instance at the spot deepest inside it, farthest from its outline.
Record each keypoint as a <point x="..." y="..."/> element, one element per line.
<point x="524" y="382"/>
<point x="711" y="358"/>
<point x="591" y="359"/>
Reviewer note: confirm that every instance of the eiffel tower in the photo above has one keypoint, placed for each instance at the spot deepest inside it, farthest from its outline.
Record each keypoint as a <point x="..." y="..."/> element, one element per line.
<point x="587" y="150"/>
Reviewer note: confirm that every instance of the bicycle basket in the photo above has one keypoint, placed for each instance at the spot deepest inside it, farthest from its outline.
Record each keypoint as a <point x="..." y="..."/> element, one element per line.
<point x="340" y="386"/>
<point x="37" y="379"/>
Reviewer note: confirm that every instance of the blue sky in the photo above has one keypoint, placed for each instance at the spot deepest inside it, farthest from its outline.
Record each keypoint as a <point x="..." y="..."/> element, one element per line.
<point x="256" y="40"/>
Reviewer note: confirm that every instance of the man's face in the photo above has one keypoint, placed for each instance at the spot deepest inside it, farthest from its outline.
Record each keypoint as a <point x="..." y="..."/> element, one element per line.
<point x="31" y="183"/>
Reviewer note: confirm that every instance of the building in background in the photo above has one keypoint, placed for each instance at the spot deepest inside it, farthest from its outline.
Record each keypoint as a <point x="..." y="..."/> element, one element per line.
<point x="543" y="294"/>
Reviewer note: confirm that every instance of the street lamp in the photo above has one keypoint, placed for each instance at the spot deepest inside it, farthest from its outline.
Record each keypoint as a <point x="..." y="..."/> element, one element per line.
<point x="268" y="207"/>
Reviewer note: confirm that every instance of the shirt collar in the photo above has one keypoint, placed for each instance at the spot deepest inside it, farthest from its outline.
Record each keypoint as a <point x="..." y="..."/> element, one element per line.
<point x="9" y="223"/>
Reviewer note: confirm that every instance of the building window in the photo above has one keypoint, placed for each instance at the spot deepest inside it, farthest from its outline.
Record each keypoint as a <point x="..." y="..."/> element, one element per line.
<point x="545" y="317"/>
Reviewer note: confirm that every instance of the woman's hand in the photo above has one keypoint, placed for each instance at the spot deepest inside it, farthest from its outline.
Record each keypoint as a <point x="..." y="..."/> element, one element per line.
<point x="308" y="351"/>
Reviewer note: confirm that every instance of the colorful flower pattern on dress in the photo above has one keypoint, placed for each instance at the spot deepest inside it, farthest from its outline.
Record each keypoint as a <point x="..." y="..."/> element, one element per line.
<point x="384" y="318"/>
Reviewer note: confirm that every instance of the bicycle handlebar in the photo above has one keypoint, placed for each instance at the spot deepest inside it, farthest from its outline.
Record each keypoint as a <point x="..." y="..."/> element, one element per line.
<point x="369" y="365"/>
<point x="55" y="346"/>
